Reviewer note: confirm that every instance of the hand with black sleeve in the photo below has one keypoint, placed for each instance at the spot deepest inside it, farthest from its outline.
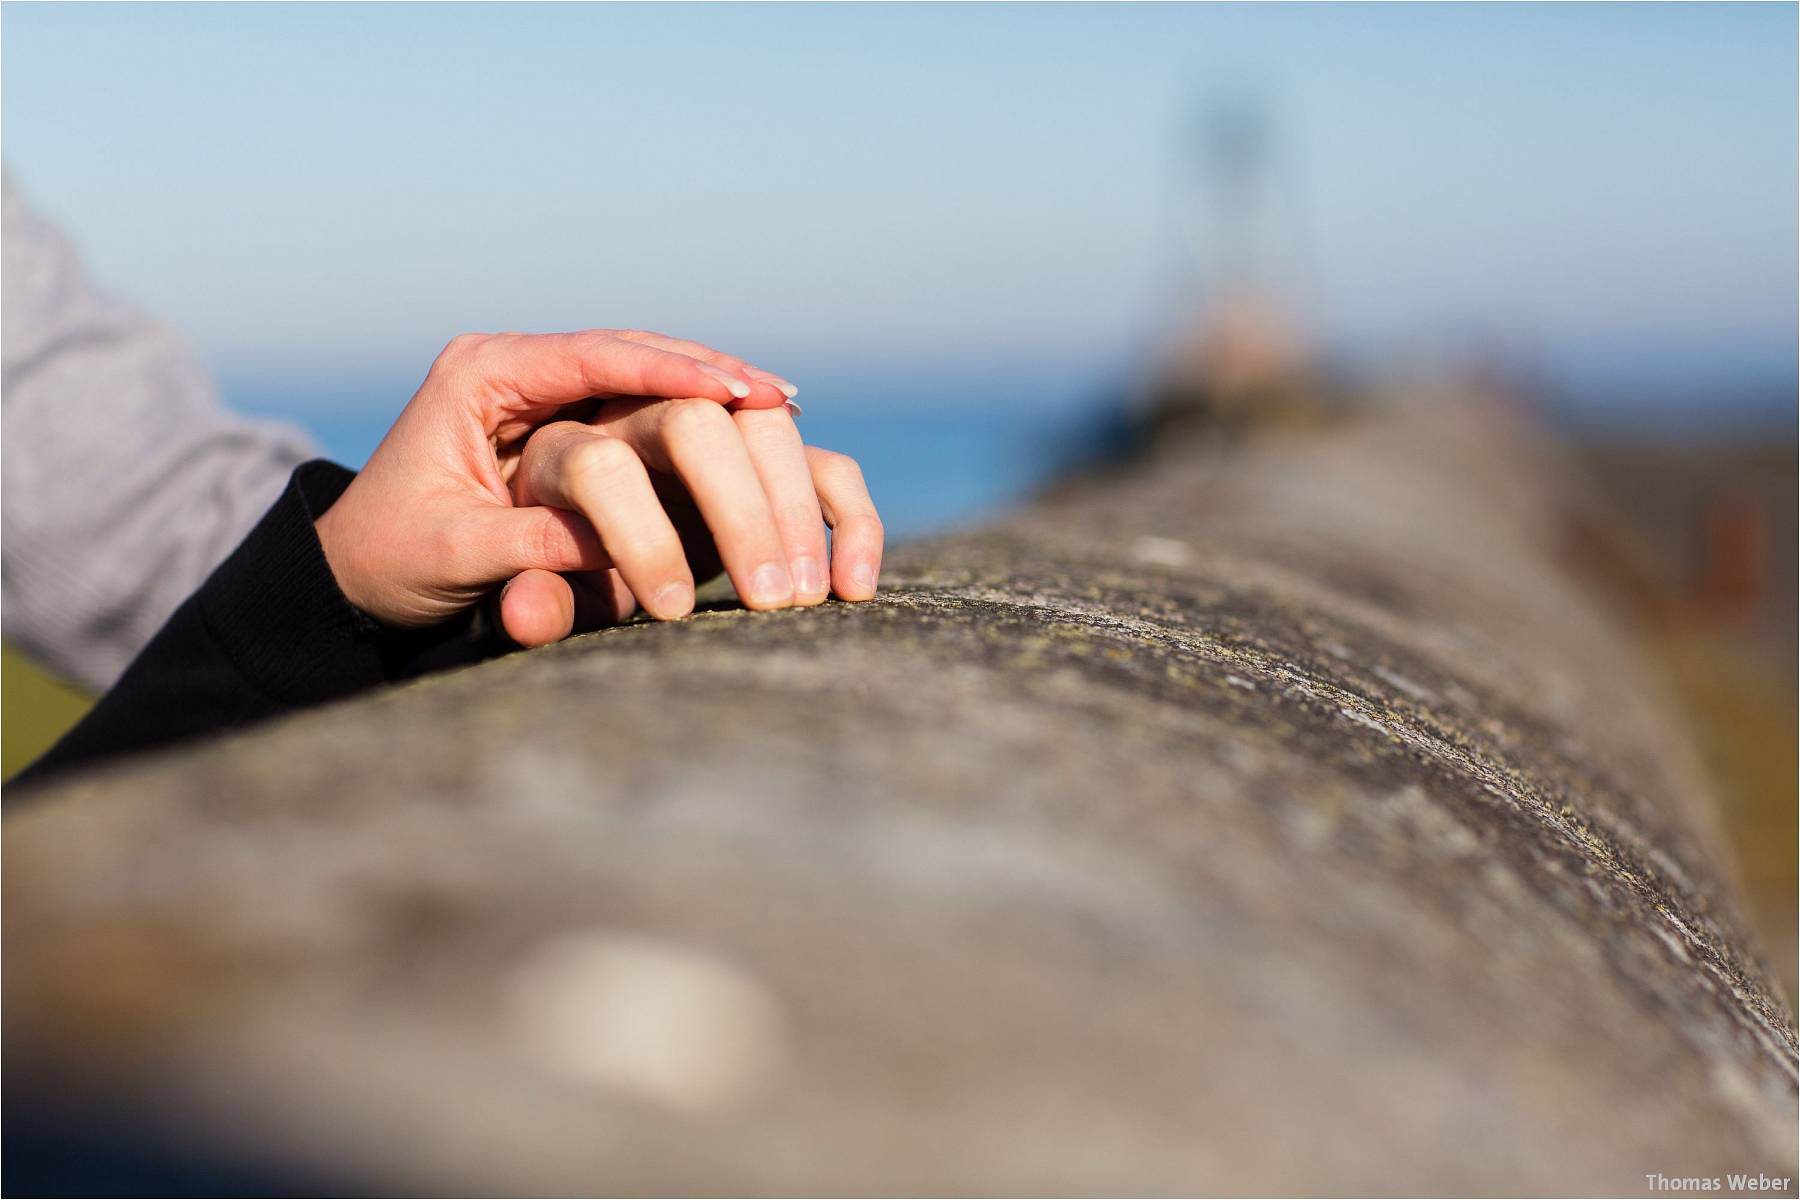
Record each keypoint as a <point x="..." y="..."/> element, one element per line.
<point x="588" y="472"/>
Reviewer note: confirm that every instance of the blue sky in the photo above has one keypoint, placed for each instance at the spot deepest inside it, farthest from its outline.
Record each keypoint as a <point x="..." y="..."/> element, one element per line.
<point x="939" y="193"/>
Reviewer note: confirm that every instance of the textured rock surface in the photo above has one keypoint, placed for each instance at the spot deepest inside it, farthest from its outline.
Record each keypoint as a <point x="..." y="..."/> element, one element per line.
<point x="1271" y="817"/>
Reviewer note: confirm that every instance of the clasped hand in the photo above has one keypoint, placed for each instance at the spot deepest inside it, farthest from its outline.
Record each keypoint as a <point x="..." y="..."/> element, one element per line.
<point x="592" y="473"/>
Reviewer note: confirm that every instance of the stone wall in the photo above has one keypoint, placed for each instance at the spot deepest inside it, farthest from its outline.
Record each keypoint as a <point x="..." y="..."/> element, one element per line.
<point x="1276" y="815"/>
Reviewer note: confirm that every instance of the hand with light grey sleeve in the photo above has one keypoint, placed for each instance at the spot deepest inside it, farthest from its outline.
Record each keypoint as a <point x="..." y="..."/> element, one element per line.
<point x="126" y="480"/>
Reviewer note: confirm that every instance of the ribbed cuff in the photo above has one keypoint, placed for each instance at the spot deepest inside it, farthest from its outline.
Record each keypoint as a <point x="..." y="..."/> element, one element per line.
<point x="276" y="610"/>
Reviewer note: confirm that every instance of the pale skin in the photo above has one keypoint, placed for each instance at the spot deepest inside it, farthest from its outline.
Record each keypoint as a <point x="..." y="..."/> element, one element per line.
<point x="594" y="473"/>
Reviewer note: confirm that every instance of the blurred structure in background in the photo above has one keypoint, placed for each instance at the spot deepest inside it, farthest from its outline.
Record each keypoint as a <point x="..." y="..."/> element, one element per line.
<point x="1241" y="353"/>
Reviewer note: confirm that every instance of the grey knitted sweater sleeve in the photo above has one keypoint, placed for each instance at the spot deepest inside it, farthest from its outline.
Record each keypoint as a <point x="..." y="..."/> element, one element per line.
<point x="123" y="479"/>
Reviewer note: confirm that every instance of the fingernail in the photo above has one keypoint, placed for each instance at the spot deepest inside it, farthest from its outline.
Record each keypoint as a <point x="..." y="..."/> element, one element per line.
<point x="863" y="576"/>
<point x="733" y="384"/>
<point x="775" y="381"/>
<point x="673" y="600"/>
<point x="809" y="579"/>
<point x="794" y="410"/>
<point x="771" y="584"/>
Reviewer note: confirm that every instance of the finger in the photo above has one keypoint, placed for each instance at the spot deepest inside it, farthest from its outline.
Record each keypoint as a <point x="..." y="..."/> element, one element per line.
<point x="569" y="465"/>
<point x="765" y="380"/>
<point x="718" y="358"/>
<point x="856" y="532"/>
<point x="533" y="372"/>
<point x="537" y="608"/>
<point x="702" y="444"/>
<point x="780" y="460"/>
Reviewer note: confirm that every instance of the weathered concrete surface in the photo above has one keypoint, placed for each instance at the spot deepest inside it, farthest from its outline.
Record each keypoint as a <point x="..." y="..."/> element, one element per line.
<point x="1275" y="817"/>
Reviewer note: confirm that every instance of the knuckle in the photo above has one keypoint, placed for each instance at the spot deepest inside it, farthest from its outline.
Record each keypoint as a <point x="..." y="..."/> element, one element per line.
<point x="685" y="419"/>
<point x="864" y="521"/>
<point x="840" y="466"/>
<point x="461" y="348"/>
<point x="544" y="542"/>
<point x="600" y="461"/>
<point x="462" y="355"/>
<point x="485" y="350"/>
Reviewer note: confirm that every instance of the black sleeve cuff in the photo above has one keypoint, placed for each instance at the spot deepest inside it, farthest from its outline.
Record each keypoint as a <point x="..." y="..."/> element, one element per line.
<point x="268" y="632"/>
<point x="276" y="610"/>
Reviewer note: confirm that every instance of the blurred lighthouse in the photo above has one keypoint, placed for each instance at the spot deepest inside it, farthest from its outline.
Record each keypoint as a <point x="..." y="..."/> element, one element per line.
<point x="1231" y="150"/>
<point x="1239" y="350"/>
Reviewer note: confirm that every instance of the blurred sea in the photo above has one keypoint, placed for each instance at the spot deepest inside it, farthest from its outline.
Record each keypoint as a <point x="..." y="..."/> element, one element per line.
<point x="932" y="462"/>
<point x="938" y="458"/>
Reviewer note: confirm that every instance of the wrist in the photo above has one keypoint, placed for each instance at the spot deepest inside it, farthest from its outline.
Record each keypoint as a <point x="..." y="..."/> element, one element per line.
<point x="334" y="530"/>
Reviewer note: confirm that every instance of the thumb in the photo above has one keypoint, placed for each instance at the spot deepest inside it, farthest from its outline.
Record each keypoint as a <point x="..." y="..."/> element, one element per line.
<point x="503" y="542"/>
<point x="537" y="608"/>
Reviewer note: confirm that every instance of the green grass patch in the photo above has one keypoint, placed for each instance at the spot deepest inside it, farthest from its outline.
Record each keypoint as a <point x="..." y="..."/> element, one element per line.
<point x="36" y="708"/>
